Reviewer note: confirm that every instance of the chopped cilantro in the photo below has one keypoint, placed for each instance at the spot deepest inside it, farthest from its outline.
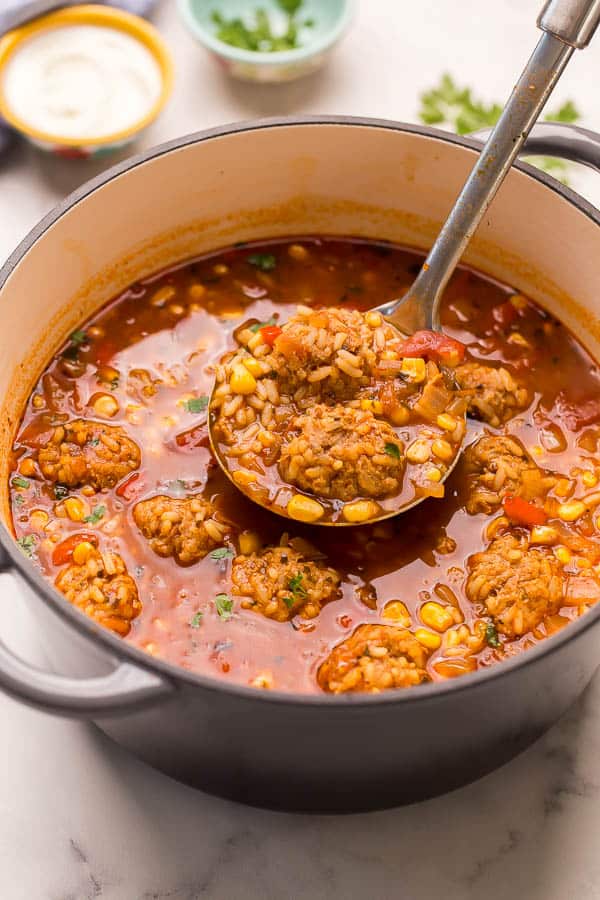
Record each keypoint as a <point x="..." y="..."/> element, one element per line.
<point x="60" y="491"/>
<point x="20" y="482"/>
<point x="78" y="337"/>
<point x="450" y="104"/>
<point x="257" y="34"/>
<point x="221" y="553"/>
<point x="291" y="7"/>
<point x="296" y="587"/>
<point x="97" y="513"/>
<point x="178" y="486"/>
<point x="224" y="605"/>
<point x="18" y="499"/>
<point x="27" y="544"/>
<point x="196" y="620"/>
<point x="93" y="442"/>
<point x="266" y="262"/>
<point x="491" y="636"/>
<point x="289" y="602"/>
<point x="196" y="404"/>
<point x="392" y="450"/>
<point x="114" y="384"/>
<point x="258" y="325"/>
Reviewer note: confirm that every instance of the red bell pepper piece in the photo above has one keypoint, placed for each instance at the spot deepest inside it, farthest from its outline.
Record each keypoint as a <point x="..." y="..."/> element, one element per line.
<point x="434" y="346"/>
<point x="522" y="512"/>
<point x="63" y="552"/>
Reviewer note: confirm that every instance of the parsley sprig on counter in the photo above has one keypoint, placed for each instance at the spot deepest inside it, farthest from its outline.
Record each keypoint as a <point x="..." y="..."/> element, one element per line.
<point x="257" y="34"/>
<point x="450" y="104"/>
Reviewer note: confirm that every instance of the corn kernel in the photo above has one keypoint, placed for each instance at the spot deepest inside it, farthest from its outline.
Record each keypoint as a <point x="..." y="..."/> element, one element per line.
<point x="378" y="407"/>
<point x="517" y="338"/>
<point x="415" y="369"/>
<point x="95" y="332"/>
<point x="27" y="467"/>
<point x="220" y="269"/>
<point x="82" y="552"/>
<point x="582" y="563"/>
<point x="418" y="451"/>
<point x="428" y="638"/>
<point x="38" y="401"/>
<point x="519" y="301"/>
<point x="563" y="555"/>
<point x="304" y="509"/>
<point x="253" y="366"/>
<point x="433" y="474"/>
<point x="163" y="295"/>
<point x="298" y="252"/>
<point x="75" y="509"/>
<point x="263" y="680"/>
<point x="249" y="542"/>
<point x="589" y="479"/>
<point x="446" y="421"/>
<point x="389" y="354"/>
<point x="563" y="487"/>
<point x="373" y="319"/>
<point x="400" y="415"/>
<point x="360" y="511"/>
<point x="38" y="519"/>
<point x="442" y="449"/>
<point x="571" y="510"/>
<point x="242" y="381"/>
<point x="176" y="309"/>
<point x="436" y="616"/>
<point x="543" y="534"/>
<point x="244" y="477"/>
<point x="397" y="612"/>
<point x="196" y="291"/>
<point x="366" y="404"/>
<point x="106" y="406"/>
<point x="108" y="374"/>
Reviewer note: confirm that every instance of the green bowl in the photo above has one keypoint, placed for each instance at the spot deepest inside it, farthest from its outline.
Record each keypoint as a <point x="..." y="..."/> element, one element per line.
<point x="330" y="19"/>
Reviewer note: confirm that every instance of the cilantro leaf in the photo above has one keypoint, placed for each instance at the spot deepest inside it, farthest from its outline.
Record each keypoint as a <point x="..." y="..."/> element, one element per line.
<point x="224" y="605"/>
<point x="18" y="499"/>
<point x="266" y="262"/>
<point x="27" y="544"/>
<point x="296" y="587"/>
<point x="491" y="636"/>
<point x="258" y="325"/>
<point x="450" y="104"/>
<point x="291" y="7"/>
<point x="221" y="553"/>
<point x="78" y="337"/>
<point x="196" y="404"/>
<point x="289" y="602"/>
<point x="20" y="482"/>
<point x="196" y="620"/>
<point x="392" y="450"/>
<point x="97" y="513"/>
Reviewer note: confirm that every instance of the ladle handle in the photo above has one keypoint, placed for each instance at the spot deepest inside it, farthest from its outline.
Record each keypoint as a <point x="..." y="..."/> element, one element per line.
<point x="566" y="24"/>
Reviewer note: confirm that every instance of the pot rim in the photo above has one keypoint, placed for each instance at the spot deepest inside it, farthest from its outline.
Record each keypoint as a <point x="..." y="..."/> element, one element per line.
<point x="435" y="691"/>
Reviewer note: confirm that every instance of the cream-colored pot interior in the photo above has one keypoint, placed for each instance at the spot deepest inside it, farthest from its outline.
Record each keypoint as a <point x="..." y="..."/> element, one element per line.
<point x="343" y="179"/>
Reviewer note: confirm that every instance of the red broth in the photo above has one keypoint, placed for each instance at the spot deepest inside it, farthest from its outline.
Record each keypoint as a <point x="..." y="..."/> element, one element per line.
<point x="174" y="327"/>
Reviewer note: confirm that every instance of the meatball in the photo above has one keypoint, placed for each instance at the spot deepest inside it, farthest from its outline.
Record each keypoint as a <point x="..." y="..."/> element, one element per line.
<point x="103" y="589"/>
<point x="519" y="585"/>
<point x="84" y="452"/>
<point x="493" y="394"/>
<point x="497" y="465"/>
<point x="281" y="582"/>
<point x="186" y="529"/>
<point x="374" y="658"/>
<point x="343" y="453"/>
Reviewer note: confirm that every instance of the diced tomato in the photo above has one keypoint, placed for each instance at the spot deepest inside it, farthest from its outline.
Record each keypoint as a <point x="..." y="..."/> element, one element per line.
<point x="63" y="552"/>
<point x="132" y="488"/>
<point x="288" y="346"/>
<point x="504" y="314"/>
<point x="193" y="438"/>
<point x="522" y="512"/>
<point x="270" y="333"/>
<point x="433" y="345"/>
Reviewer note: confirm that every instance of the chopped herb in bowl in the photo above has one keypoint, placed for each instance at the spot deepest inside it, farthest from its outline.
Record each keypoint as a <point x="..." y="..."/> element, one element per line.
<point x="259" y="33"/>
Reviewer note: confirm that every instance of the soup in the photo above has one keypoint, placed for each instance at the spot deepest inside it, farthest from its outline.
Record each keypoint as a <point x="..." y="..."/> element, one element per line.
<point x="117" y="498"/>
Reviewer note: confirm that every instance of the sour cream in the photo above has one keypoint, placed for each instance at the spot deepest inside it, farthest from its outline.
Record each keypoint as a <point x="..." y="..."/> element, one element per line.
<point x="81" y="82"/>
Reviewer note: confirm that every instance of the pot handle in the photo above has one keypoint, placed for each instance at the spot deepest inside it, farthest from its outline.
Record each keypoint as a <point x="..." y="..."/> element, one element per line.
<point x="126" y="688"/>
<point x="559" y="139"/>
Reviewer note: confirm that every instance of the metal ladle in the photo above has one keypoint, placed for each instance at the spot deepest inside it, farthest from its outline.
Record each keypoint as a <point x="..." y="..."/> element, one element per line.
<point x="567" y="25"/>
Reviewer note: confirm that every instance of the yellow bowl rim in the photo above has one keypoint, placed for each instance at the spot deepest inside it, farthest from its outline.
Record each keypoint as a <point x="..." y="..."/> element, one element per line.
<point x="90" y="15"/>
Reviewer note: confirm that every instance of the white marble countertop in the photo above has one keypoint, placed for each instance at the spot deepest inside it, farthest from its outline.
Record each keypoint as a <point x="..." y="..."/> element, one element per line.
<point x="80" y="819"/>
